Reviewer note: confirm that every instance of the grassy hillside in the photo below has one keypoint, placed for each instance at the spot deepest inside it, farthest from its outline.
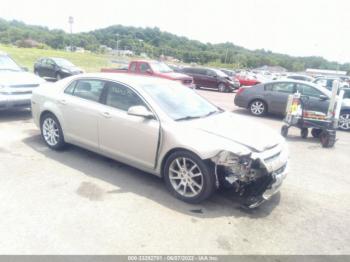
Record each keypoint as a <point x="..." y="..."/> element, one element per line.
<point x="90" y="62"/>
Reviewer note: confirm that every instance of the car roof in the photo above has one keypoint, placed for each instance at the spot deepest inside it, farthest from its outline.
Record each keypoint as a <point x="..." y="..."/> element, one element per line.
<point x="320" y="88"/>
<point x="128" y="79"/>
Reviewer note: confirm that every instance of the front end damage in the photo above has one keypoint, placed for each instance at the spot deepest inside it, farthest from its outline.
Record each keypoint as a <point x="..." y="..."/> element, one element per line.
<point x="255" y="177"/>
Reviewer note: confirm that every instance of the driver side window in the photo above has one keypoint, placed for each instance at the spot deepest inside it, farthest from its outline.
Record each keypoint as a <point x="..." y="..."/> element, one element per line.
<point x="306" y="90"/>
<point x="122" y="97"/>
<point x="144" y="67"/>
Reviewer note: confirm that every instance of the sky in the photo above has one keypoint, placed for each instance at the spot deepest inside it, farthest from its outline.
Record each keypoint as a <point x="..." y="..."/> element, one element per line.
<point x="294" y="27"/>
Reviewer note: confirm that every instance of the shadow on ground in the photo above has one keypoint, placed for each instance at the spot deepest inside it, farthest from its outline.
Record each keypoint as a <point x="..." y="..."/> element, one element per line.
<point x="15" y="115"/>
<point x="130" y="180"/>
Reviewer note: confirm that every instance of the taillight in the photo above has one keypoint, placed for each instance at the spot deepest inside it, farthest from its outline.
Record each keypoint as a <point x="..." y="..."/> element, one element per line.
<point x="240" y="90"/>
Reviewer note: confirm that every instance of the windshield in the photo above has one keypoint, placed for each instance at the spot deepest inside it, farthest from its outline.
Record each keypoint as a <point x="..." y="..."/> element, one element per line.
<point x="220" y="73"/>
<point x="180" y="102"/>
<point x="62" y="62"/>
<point x="160" y="67"/>
<point x="6" y="63"/>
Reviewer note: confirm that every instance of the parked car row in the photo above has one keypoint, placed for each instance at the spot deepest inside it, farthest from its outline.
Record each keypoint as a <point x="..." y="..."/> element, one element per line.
<point x="16" y="84"/>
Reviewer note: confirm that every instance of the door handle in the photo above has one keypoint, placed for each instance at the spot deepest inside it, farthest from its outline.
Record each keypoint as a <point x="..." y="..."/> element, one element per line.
<point x="62" y="102"/>
<point x="106" y="114"/>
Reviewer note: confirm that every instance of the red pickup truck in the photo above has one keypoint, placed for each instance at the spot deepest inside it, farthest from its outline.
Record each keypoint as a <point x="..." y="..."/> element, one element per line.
<point x="153" y="68"/>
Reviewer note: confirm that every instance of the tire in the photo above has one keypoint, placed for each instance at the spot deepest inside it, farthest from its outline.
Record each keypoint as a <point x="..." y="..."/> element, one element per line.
<point x="315" y="132"/>
<point x="36" y="72"/>
<point x="344" y="120"/>
<point x="222" y="88"/>
<point x="327" y="139"/>
<point x="304" y="132"/>
<point x="58" y="77"/>
<point x="284" y="130"/>
<point x="51" y="132"/>
<point x="189" y="186"/>
<point x="258" y="107"/>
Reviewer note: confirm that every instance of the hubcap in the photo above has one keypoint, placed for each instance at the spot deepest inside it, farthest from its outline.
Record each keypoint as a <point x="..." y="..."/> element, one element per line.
<point x="221" y="88"/>
<point x="186" y="177"/>
<point x="257" y="108"/>
<point x="50" y="131"/>
<point x="344" y="121"/>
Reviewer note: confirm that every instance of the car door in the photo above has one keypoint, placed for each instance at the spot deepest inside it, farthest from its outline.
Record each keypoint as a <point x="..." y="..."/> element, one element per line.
<point x="126" y="137"/>
<point x="50" y="68"/>
<point x="211" y="79"/>
<point x="80" y="106"/>
<point x="277" y="94"/>
<point x="314" y="102"/>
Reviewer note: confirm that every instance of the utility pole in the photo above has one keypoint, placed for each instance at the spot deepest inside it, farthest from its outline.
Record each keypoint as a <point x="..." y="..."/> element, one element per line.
<point x="117" y="35"/>
<point x="71" y="21"/>
<point x="226" y="55"/>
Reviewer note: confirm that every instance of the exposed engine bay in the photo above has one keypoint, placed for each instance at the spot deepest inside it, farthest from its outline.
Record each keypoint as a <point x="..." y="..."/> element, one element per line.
<point x="248" y="177"/>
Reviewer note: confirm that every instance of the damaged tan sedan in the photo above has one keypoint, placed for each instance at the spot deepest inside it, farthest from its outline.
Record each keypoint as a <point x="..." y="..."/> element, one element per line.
<point x="166" y="129"/>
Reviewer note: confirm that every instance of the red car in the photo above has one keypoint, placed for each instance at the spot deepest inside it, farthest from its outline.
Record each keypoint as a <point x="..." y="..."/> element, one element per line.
<point x="247" y="81"/>
<point x="153" y="68"/>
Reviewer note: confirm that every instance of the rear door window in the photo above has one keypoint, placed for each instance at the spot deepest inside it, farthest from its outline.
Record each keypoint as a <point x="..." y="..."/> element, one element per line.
<point x="89" y="89"/>
<point x="283" y="87"/>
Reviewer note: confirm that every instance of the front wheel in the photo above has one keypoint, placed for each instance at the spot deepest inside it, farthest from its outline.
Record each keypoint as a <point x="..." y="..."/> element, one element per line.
<point x="222" y="87"/>
<point x="344" y="121"/>
<point x="188" y="178"/>
<point x="58" y="77"/>
<point x="51" y="132"/>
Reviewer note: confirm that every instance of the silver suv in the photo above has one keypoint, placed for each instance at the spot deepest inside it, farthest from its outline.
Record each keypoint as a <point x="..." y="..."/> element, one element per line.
<point x="16" y="85"/>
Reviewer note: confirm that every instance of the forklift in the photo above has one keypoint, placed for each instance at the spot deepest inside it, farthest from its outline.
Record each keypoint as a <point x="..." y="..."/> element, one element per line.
<point x="323" y="126"/>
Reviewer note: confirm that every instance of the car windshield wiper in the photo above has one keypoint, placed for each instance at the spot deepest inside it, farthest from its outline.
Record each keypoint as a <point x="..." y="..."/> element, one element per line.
<point x="194" y="117"/>
<point x="212" y="113"/>
<point x="187" y="118"/>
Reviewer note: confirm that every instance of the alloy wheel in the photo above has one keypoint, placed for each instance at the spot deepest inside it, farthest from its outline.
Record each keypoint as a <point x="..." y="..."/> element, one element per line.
<point x="344" y="121"/>
<point x="257" y="108"/>
<point x="51" y="131"/>
<point x="186" y="177"/>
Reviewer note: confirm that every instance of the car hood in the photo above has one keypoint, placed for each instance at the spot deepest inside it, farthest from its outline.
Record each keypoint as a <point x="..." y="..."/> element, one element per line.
<point x="238" y="129"/>
<point x="10" y="78"/>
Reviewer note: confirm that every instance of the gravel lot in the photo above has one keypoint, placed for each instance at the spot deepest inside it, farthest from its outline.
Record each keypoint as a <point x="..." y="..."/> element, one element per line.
<point x="76" y="202"/>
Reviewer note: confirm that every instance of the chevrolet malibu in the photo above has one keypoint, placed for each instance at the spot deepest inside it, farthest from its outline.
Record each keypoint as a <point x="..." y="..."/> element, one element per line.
<point x="163" y="128"/>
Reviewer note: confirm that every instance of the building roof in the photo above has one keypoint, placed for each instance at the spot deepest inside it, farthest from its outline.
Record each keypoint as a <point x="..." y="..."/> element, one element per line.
<point x="325" y="72"/>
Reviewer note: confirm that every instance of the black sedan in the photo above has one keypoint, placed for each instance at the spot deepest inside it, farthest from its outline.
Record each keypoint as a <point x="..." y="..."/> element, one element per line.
<point x="55" y="68"/>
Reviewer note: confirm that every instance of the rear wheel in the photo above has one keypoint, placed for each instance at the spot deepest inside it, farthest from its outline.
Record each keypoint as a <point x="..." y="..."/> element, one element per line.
<point x="258" y="108"/>
<point x="327" y="138"/>
<point x="304" y="132"/>
<point x="188" y="178"/>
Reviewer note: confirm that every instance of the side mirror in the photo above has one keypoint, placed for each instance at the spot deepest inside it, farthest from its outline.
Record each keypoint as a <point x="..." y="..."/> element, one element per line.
<point x="323" y="97"/>
<point x="24" y="68"/>
<point x="140" y="111"/>
<point x="149" y="71"/>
